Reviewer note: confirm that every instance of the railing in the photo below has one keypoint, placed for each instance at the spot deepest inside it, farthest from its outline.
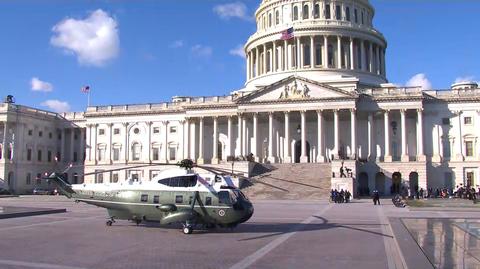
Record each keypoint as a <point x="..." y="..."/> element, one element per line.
<point x="392" y="91"/>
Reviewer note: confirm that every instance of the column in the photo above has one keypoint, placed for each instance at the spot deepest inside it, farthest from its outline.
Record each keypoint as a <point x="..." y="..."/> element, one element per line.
<point x="382" y="54"/>
<point x="271" y="158"/>
<point x="110" y="137"/>
<point x="71" y="149"/>
<point x="459" y="156"/>
<point x="125" y="146"/>
<point x="255" y="137"/>
<point x="181" y="142"/>
<point x="353" y="133"/>
<point x="239" y="135"/>
<point x="264" y="59"/>
<point x="248" y="65"/>
<point x="286" y="147"/>
<point x="88" y="141"/>
<point x="404" y="157"/>
<point x="371" y="144"/>
<point x="437" y="144"/>
<point x="420" y="155"/>
<point x="339" y="52"/>
<point x="325" y="52"/>
<point x="193" y="141"/>
<point x="335" y="133"/>
<point x="274" y="57"/>
<point x="95" y="135"/>
<point x="215" y="141"/>
<point x="387" y="157"/>
<point x="165" y="141"/>
<point x="285" y="52"/>
<point x="377" y="65"/>
<point x="81" y="150"/>
<point x="257" y="62"/>
<point x="304" y="153"/>
<point x="312" y="51"/>
<point x="244" y="136"/>
<point x="352" y="59"/>
<point x="230" y="138"/>
<point x="320" y="150"/>
<point x="186" y="138"/>
<point x="370" y="57"/>
<point x="297" y="63"/>
<point x="363" y="65"/>
<point x="4" y="142"/>
<point x="63" y="132"/>
<point x="200" y="159"/>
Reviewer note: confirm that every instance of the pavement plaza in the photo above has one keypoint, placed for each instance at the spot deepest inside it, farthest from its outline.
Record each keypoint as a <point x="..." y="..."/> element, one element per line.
<point x="281" y="234"/>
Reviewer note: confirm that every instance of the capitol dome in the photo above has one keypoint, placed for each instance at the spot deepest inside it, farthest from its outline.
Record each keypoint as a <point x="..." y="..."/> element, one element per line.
<point x="321" y="40"/>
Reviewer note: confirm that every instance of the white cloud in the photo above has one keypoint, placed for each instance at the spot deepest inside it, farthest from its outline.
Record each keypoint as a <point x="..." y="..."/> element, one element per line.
<point x="232" y="10"/>
<point x="56" y="105"/>
<point x="40" y="86"/>
<point x="94" y="40"/>
<point x="420" y="80"/>
<point x="465" y="79"/>
<point x="202" y="51"/>
<point x="177" y="44"/>
<point x="238" y="51"/>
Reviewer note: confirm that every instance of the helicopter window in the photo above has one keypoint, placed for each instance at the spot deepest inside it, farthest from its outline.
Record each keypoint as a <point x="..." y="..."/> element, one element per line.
<point x="183" y="181"/>
<point x="179" y="199"/>
<point x="190" y="200"/>
<point x="156" y="199"/>
<point x="224" y="197"/>
<point x="208" y="200"/>
<point x="144" y="198"/>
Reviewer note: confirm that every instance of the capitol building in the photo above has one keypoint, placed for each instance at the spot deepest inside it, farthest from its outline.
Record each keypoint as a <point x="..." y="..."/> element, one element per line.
<point x="316" y="91"/>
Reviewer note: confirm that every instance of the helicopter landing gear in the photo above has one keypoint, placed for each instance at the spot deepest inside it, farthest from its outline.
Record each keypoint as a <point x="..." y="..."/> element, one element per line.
<point x="110" y="222"/>
<point x="137" y="221"/>
<point x="187" y="229"/>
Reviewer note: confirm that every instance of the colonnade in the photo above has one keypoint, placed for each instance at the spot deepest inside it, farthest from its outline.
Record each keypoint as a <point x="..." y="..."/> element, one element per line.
<point x="309" y="52"/>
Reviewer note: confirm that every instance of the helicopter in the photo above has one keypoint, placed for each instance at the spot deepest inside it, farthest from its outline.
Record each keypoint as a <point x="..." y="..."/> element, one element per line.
<point x="178" y="195"/>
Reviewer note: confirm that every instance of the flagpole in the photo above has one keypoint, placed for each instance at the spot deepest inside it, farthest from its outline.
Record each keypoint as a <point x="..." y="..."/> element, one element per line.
<point x="88" y="98"/>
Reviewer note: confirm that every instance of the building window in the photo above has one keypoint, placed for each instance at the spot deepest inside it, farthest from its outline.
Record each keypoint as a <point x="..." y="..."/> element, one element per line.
<point x="38" y="179"/>
<point x="327" y="12"/>
<point x="136" y="151"/>
<point x="136" y="131"/>
<point x="30" y="132"/>
<point x="470" y="181"/>
<point x="172" y="151"/>
<point x="178" y="199"/>
<point x="156" y="130"/>
<point x="155" y="153"/>
<point x="40" y="133"/>
<point x="355" y="15"/>
<point x="445" y="121"/>
<point x="469" y="148"/>
<point x="467" y="120"/>
<point x="99" y="176"/>
<point x="49" y="156"/>
<point x="58" y="157"/>
<point x="10" y="152"/>
<point x="116" y="131"/>
<point x="1" y="151"/>
<point x="116" y="153"/>
<point x="144" y="198"/>
<point x="156" y="199"/>
<point x="101" y="154"/>
<point x="347" y="13"/>
<point x="29" y="179"/>
<point x="50" y="135"/>
<point x="363" y="18"/>
<point x="338" y="12"/>
<point x="173" y="129"/>
<point x="75" y="137"/>
<point x="295" y="13"/>
<point x="305" y="12"/>
<point x="75" y="157"/>
<point x="115" y="177"/>
<point x="39" y="155"/>
<point x="277" y="17"/>
<point x="101" y="131"/>
<point x="59" y="136"/>
<point x="134" y="175"/>
<point x="270" y="20"/>
<point x="316" y="11"/>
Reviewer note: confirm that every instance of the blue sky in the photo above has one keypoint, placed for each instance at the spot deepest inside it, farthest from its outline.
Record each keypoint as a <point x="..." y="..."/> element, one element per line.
<point x="152" y="50"/>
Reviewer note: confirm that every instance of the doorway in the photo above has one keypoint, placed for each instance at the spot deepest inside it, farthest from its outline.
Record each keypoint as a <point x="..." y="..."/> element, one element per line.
<point x="396" y="183"/>
<point x="380" y="182"/>
<point x="363" y="189"/>
<point x="298" y="150"/>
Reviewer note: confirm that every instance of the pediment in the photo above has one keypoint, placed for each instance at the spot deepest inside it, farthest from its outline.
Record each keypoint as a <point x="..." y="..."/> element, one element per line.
<point x="296" y="88"/>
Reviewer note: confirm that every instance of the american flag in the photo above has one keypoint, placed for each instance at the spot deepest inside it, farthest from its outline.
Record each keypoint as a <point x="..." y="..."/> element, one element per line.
<point x="85" y="89"/>
<point x="287" y="34"/>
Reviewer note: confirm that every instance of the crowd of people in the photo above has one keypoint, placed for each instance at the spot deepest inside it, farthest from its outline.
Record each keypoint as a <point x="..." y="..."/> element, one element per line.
<point x="341" y="196"/>
<point x="462" y="192"/>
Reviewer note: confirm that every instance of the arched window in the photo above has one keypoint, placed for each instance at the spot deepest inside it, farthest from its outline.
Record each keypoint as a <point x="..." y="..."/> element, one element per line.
<point x="277" y="17"/>
<point x="270" y="20"/>
<point x="338" y="12"/>
<point x="328" y="14"/>
<point x="306" y="55"/>
<point x="330" y="56"/>
<point x="10" y="152"/>
<point x="136" y="151"/>
<point x="316" y="11"/>
<point x="268" y="61"/>
<point x="305" y="12"/>
<point x="1" y="151"/>
<point x="295" y="13"/>
<point x="347" y="13"/>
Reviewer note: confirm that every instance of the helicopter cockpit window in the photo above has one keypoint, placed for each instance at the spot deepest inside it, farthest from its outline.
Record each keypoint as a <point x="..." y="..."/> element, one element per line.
<point x="224" y="197"/>
<point x="182" y="181"/>
<point x="179" y="199"/>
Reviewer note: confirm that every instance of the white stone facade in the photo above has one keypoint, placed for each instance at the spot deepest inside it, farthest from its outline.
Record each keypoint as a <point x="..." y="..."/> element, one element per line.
<point x="343" y="108"/>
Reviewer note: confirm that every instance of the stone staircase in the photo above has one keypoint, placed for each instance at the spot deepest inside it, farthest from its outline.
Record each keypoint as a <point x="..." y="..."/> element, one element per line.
<point x="288" y="181"/>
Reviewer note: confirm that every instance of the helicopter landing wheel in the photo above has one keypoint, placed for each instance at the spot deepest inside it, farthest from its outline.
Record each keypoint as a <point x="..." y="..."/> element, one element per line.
<point x="137" y="221"/>
<point x="109" y="223"/>
<point x="187" y="229"/>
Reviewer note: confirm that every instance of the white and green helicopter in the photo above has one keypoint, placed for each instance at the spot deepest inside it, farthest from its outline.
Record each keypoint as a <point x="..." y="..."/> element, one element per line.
<point x="178" y="195"/>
